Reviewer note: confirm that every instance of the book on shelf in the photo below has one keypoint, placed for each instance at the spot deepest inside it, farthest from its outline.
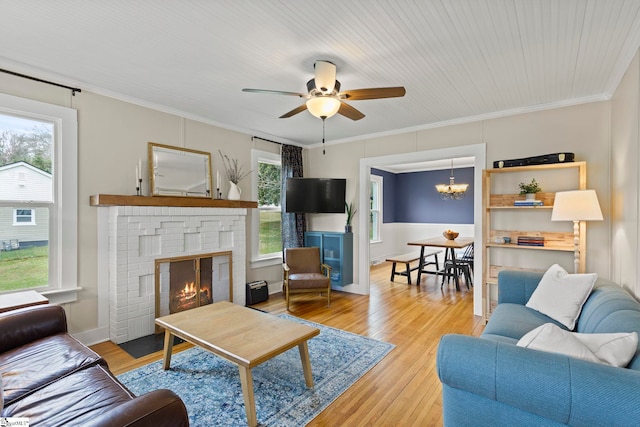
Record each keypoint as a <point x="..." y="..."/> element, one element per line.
<point x="528" y="203"/>
<point x="530" y="241"/>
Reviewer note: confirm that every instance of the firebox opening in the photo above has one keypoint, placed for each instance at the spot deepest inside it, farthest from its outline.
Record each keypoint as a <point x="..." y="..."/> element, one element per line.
<point x="189" y="284"/>
<point x="184" y="283"/>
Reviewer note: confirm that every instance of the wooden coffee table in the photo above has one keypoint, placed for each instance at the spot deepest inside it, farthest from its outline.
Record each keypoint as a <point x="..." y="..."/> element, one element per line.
<point x="241" y="335"/>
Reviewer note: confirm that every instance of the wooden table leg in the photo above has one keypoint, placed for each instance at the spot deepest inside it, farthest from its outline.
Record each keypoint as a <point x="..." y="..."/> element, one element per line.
<point x="420" y="265"/>
<point x="393" y="271"/>
<point x="306" y="363"/>
<point x="408" y="270"/>
<point x="168" y="348"/>
<point x="455" y="269"/>
<point x="246" y="380"/>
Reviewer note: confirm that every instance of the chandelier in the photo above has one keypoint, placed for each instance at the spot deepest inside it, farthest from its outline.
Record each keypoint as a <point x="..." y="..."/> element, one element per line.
<point x="451" y="191"/>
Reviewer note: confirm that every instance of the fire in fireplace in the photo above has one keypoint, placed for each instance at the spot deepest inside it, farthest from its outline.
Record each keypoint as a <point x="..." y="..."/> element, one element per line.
<point x="189" y="284"/>
<point x="183" y="283"/>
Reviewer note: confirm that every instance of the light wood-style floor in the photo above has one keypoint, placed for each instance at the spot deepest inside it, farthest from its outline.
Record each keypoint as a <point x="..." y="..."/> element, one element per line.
<point x="403" y="389"/>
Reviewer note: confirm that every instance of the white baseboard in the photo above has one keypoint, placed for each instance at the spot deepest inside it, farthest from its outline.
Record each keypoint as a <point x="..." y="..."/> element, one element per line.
<point x="93" y="336"/>
<point x="274" y="288"/>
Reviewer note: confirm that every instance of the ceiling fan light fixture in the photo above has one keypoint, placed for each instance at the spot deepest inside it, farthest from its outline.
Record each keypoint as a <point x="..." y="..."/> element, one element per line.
<point x="324" y="96"/>
<point x="323" y="107"/>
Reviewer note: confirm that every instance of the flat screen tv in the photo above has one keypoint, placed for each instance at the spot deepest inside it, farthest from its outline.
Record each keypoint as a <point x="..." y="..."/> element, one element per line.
<point x="316" y="195"/>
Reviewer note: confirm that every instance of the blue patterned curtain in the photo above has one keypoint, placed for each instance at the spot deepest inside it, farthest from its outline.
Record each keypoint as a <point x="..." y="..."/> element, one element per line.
<point x="293" y="225"/>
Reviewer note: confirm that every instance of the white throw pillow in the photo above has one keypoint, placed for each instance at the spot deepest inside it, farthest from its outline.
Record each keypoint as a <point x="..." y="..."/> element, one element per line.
<point x="552" y="338"/>
<point x="615" y="349"/>
<point x="560" y="295"/>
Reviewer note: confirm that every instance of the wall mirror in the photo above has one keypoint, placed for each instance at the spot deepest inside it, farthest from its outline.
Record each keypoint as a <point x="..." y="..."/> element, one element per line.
<point x="182" y="172"/>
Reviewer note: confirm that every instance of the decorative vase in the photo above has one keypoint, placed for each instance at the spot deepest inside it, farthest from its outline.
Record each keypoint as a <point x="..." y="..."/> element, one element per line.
<point x="347" y="228"/>
<point x="530" y="196"/>
<point x="234" y="192"/>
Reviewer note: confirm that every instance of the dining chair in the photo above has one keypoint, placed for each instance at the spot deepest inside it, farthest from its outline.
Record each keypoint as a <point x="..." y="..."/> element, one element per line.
<point x="467" y="256"/>
<point x="463" y="266"/>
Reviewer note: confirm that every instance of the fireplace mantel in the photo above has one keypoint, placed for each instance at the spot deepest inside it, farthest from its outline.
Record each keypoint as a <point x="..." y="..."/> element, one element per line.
<point x="183" y="202"/>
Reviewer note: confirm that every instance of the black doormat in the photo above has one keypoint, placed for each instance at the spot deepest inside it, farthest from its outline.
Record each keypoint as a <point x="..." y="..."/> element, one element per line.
<point x="146" y="345"/>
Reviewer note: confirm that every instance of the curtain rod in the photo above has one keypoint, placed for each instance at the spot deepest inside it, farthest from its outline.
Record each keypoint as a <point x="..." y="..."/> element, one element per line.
<point x="13" y="73"/>
<point x="268" y="140"/>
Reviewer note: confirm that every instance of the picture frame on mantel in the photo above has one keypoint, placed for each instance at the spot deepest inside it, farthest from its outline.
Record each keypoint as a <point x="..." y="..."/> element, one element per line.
<point x="179" y="172"/>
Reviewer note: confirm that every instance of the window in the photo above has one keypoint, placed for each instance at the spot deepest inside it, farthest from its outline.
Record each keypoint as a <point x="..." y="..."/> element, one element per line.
<point x="24" y="217"/>
<point x="267" y="225"/>
<point x="375" y="197"/>
<point x="38" y="171"/>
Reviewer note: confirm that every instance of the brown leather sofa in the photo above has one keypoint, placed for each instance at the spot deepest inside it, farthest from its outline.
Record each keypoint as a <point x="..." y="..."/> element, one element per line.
<point x="52" y="379"/>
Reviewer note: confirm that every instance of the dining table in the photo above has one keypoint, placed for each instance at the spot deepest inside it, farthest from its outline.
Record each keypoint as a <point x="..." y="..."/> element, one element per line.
<point x="449" y="253"/>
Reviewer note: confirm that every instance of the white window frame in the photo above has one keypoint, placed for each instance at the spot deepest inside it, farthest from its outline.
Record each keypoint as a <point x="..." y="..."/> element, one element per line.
<point x="32" y="217"/>
<point x="63" y="218"/>
<point x="257" y="260"/>
<point x="378" y="180"/>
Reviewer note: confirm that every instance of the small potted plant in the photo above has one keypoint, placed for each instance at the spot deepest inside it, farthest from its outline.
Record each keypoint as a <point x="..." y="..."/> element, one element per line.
<point x="530" y="190"/>
<point x="351" y="211"/>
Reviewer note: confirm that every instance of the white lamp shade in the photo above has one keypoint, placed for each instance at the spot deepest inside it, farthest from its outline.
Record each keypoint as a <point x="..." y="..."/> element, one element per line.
<point x="577" y="205"/>
<point x="451" y="188"/>
<point x="325" y="76"/>
<point x="323" y="106"/>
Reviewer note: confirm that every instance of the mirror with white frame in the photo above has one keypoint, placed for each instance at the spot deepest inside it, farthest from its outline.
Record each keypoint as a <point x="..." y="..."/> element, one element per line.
<point x="182" y="172"/>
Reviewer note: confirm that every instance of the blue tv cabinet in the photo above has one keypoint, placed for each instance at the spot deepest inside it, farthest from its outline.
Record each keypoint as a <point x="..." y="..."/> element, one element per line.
<point x="336" y="250"/>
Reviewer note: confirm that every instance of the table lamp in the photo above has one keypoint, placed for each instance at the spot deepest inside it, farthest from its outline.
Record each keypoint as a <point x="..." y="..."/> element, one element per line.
<point x="576" y="206"/>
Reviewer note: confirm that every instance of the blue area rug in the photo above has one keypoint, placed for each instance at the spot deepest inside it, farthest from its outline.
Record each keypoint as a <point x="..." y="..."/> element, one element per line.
<point x="210" y="386"/>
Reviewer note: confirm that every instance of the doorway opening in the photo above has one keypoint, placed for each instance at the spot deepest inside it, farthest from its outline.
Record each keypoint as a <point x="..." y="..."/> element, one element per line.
<point x="476" y="151"/>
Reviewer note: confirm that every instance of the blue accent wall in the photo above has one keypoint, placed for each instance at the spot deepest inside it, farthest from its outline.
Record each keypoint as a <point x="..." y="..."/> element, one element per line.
<point x="412" y="197"/>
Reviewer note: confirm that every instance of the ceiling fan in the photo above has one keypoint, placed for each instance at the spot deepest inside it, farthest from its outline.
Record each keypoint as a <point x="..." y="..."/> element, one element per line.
<point x="325" y="99"/>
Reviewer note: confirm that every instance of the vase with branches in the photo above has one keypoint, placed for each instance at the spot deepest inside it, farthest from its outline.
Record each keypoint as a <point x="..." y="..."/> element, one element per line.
<point x="233" y="170"/>
<point x="234" y="174"/>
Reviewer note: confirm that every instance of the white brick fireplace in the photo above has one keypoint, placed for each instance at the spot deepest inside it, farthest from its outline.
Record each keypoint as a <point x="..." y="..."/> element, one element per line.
<point x="138" y="235"/>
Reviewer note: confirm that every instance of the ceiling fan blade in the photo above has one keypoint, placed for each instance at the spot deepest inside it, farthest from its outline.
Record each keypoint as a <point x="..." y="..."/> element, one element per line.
<point x="325" y="76"/>
<point x="373" y="93"/>
<point x="295" y="111"/>
<point x="350" y="112"/>
<point x="277" y="92"/>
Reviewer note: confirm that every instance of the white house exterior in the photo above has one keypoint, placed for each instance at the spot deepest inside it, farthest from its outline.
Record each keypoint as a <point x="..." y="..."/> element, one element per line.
<point x="22" y="182"/>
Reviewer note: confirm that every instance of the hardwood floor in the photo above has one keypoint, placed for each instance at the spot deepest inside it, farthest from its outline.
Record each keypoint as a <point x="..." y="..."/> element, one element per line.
<point x="403" y="389"/>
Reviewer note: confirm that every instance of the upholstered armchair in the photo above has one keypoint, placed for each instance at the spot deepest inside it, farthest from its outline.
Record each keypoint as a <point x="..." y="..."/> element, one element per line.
<point x="303" y="272"/>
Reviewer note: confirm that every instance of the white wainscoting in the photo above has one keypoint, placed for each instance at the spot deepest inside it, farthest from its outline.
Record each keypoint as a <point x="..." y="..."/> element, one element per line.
<point x="395" y="237"/>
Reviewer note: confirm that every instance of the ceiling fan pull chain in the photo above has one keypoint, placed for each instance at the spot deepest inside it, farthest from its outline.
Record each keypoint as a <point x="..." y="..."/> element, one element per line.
<point x="323" y="120"/>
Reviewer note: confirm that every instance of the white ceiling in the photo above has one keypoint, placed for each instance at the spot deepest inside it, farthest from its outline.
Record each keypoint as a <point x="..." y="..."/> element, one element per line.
<point x="459" y="60"/>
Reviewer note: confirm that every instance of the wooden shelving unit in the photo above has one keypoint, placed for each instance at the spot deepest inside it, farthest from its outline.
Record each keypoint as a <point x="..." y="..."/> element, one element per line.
<point x="496" y="203"/>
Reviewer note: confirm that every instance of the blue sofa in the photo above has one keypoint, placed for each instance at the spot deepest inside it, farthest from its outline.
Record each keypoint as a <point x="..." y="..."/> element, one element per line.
<point x="489" y="381"/>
